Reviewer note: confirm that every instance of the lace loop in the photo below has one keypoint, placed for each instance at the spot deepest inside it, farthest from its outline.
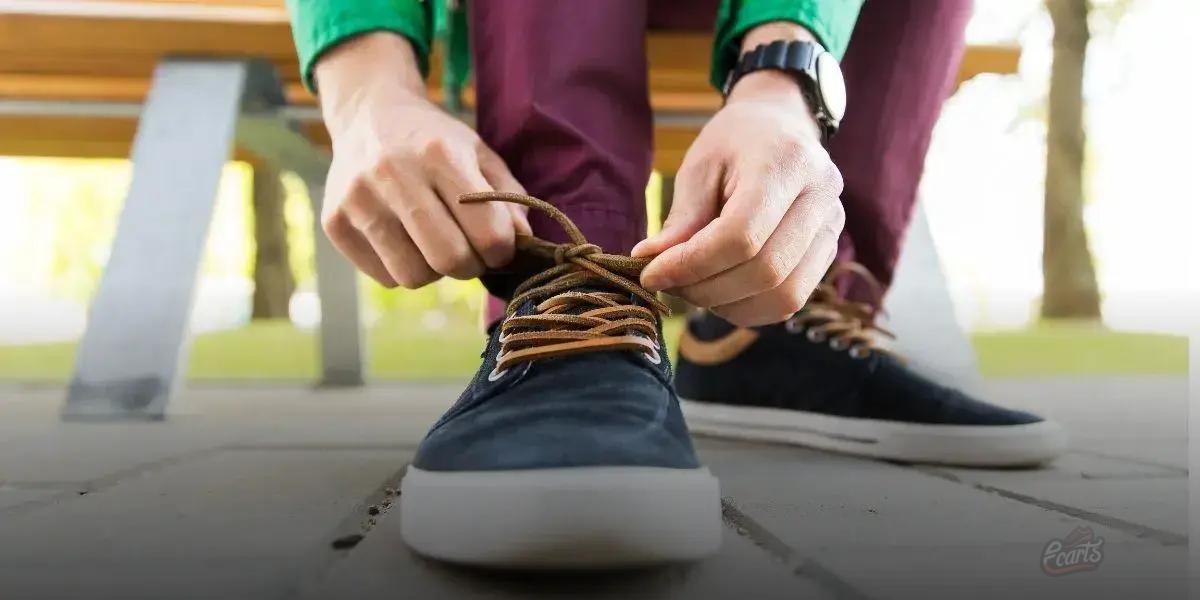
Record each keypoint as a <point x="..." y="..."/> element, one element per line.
<point x="568" y="320"/>
<point x="845" y="323"/>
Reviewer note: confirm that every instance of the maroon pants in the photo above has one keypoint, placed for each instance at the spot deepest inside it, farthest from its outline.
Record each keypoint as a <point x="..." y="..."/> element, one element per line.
<point x="562" y="96"/>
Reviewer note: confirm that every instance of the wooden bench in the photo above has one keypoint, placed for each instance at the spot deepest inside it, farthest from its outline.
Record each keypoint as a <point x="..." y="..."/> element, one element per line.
<point x="89" y="52"/>
<point x="174" y="84"/>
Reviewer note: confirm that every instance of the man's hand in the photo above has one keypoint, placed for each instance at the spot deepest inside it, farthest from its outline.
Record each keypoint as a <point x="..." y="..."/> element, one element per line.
<point x="756" y="217"/>
<point x="399" y="165"/>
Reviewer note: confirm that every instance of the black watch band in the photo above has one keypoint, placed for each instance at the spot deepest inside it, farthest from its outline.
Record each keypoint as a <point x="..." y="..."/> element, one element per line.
<point x="814" y="70"/>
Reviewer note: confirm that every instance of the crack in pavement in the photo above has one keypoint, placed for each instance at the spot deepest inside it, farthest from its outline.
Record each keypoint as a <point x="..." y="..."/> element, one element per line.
<point x="345" y="536"/>
<point x="799" y="565"/>
<point x="1166" y="538"/>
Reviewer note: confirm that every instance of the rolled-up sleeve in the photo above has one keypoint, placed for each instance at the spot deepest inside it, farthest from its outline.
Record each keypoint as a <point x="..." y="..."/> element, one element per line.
<point x="318" y="25"/>
<point x="831" y="21"/>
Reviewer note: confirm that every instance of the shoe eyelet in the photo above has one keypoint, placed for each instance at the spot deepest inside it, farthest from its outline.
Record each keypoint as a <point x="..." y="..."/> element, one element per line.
<point x="815" y="336"/>
<point x="838" y="344"/>
<point x="496" y="373"/>
<point x="793" y="326"/>
<point x="858" y="352"/>
<point x="652" y="355"/>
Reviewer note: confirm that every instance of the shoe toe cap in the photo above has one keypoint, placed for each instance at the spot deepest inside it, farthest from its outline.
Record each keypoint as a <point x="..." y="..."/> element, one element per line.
<point x="554" y="419"/>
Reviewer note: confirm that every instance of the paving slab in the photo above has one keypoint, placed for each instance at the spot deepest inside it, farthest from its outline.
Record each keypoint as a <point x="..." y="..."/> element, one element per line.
<point x="1009" y="571"/>
<point x="245" y="497"/>
<point x="228" y="524"/>
<point x="1137" y="418"/>
<point x="13" y="498"/>
<point x="383" y="567"/>
<point x="35" y="448"/>
<point x="1145" y="495"/>
<point x="872" y="522"/>
<point x="85" y="452"/>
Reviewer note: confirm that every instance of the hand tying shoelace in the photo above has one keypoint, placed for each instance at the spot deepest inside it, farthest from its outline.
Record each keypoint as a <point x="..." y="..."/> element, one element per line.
<point x="575" y="312"/>
<point x="848" y="324"/>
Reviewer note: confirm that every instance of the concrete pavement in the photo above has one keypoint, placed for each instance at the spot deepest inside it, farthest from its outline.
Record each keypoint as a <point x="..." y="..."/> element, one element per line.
<point x="284" y="492"/>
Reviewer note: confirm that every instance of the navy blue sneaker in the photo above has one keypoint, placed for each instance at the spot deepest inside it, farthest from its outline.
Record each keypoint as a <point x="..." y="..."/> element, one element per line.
<point x="568" y="449"/>
<point x="820" y="379"/>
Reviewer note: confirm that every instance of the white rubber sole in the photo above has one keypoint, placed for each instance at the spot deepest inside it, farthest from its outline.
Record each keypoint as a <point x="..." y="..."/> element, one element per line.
<point x="961" y="445"/>
<point x="576" y="518"/>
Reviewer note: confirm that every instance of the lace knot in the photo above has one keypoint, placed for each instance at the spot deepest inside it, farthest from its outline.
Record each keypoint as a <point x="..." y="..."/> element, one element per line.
<point x="589" y="301"/>
<point x="566" y="252"/>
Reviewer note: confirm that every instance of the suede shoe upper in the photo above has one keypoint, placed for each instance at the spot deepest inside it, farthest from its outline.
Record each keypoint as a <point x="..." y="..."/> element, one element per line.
<point x="823" y="360"/>
<point x="573" y="376"/>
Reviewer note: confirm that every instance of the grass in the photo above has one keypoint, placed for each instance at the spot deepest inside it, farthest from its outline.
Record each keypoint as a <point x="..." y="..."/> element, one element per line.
<point x="403" y="349"/>
<point x="277" y="350"/>
<point x="1079" y="349"/>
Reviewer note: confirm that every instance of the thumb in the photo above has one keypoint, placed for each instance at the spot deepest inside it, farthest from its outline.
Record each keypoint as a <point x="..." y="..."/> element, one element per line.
<point x="696" y="203"/>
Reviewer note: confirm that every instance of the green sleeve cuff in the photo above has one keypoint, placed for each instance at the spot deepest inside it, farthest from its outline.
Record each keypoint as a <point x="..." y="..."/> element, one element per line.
<point x="319" y="25"/>
<point x="831" y="21"/>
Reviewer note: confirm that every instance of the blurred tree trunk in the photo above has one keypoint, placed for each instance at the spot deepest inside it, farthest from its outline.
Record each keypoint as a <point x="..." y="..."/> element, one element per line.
<point x="273" y="282"/>
<point x="1068" y="275"/>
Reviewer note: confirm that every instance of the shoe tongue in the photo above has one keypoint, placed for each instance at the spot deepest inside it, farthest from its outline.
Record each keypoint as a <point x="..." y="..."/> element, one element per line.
<point x="707" y="326"/>
<point x="502" y="282"/>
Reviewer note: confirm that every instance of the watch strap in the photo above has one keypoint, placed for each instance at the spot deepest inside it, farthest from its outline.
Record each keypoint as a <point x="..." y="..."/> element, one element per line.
<point x="782" y="55"/>
<point x="791" y="56"/>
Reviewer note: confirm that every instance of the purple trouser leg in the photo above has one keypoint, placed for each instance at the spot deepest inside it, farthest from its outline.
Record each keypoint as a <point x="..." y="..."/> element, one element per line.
<point x="899" y="68"/>
<point x="562" y="96"/>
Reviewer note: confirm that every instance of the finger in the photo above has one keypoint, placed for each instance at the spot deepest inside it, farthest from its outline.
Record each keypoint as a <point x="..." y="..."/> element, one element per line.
<point x="520" y="217"/>
<point x="778" y="259"/>
<point x="394" y="247"/>
<point x="783" y="301"/>
<point x="696" y="202"/>
<point x="496" y="172"/>
<point x="747" y="220"/>
<point x="356" y="248"/>
<point x="430" y="225"/>
<point x="488" y="226"/>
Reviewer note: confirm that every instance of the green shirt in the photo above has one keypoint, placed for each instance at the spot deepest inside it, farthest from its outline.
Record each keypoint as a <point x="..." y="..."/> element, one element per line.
<point x="318" y="25"/>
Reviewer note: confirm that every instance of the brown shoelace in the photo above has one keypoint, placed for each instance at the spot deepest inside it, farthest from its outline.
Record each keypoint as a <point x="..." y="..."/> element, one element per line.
<point x="845" y="323"/>
<point x="568" y="320"/>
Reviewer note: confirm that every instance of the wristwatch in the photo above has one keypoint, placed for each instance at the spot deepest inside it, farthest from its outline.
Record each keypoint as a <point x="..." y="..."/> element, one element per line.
<point x="815" y="71"/>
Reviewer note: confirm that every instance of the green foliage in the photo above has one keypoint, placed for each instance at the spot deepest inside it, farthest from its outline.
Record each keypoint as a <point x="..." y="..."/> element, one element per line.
<point x="75" y="218"/>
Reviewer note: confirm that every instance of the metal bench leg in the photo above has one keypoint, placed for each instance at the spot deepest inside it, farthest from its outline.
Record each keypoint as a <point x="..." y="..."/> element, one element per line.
<point x="342" y="353"/>
<point x="135" y="345"/>
<point x="278" y="141"/>
<point x="921" y="311"/>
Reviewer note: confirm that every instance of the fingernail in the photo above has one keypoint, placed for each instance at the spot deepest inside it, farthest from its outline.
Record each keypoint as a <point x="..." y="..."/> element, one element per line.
<point x="656" y="283"/>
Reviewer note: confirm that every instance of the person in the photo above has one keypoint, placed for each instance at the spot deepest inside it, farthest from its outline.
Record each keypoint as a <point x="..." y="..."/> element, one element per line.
<point x="569" y="448"/>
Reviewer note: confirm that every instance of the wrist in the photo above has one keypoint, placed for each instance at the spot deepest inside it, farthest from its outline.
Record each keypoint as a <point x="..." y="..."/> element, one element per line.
<point x="771" y="85"/>
<point x="352" y="69"/>
<point x="768" y="85"/>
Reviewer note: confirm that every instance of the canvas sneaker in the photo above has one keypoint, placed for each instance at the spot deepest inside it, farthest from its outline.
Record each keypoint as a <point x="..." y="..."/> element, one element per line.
<point x="823" y="379"/>
<point x="568" y="448"/>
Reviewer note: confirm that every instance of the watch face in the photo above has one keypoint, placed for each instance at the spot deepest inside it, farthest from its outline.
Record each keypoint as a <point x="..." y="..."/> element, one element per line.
<point x="833" y="87"/>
